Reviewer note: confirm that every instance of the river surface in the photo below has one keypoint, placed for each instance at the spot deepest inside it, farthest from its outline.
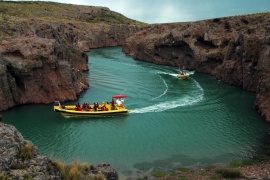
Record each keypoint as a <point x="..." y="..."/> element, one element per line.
<point x="173" y="122"/>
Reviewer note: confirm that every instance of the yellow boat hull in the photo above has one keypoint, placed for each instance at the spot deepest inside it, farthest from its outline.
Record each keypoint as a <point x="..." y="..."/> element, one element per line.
<point x="183" y="76"/>
<point x="70" y="111"/>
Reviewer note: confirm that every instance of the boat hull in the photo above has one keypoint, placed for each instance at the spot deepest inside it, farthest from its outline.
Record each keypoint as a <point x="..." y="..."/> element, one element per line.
<point x="68" y="112"/>
<point x="181" y="76"/>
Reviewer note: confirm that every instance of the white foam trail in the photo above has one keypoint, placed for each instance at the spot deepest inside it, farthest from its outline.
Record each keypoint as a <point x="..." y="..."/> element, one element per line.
<point x="186" y="101"/>
<point x="168" y="105"/>
<point x="165" y="91"/>
<point x="175" y="74"/>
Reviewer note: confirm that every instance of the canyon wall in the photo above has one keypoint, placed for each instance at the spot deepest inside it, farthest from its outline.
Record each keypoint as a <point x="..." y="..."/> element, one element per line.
<point x="43" y="61"/>
<point x="235" y="49"/>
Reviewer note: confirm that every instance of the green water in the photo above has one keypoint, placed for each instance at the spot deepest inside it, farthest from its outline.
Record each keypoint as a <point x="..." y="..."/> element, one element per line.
<point x="173" y="122"/>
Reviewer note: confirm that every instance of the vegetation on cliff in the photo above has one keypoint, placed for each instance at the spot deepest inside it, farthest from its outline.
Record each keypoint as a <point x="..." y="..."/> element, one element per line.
<point x="51" y="11"/>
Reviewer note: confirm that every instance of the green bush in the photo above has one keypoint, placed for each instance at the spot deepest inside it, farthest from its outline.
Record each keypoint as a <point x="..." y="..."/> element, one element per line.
<point x="229" y="173"/>
<point x="159" y="174"/>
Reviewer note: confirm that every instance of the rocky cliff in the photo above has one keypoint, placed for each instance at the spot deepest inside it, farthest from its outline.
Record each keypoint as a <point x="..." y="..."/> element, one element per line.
<point x="234" y="49"/>
<point x="42" y="55"/>
<point x="20" y="159"/>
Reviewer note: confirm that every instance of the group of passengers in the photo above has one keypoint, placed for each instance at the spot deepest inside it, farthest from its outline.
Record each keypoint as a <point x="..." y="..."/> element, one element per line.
<point x="183" y="73"/>
<point x="95" y="107"/>
<point x="84" y="107"/>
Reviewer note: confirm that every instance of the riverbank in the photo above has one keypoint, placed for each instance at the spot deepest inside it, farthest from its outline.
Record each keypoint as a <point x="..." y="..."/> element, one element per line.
<point x="20" y="158"/>
<point x="260" y="170"/>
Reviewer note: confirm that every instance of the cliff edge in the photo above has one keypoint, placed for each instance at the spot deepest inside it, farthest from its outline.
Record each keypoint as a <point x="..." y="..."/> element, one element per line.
<point x="234" y="49"/>
<point x="42" y="47"/>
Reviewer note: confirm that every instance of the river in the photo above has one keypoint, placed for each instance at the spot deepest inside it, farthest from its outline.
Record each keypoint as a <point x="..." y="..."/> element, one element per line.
<point x="173" y="122"/>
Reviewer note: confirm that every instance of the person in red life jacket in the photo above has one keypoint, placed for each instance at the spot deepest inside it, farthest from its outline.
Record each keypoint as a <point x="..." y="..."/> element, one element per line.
<point x="78" y="107"/>
<point x="112" y="102"/>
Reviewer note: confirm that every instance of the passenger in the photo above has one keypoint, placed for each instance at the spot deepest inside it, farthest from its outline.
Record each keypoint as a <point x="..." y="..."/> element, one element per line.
<point x="80" y="108"/>
<point x="87" y="107"/>
<point x="103" y="107"/>
<point x="84" y="106"/>
<point x="77" y="107"/>
<point x="112" y="102"/>
<point x="95" y="106"/>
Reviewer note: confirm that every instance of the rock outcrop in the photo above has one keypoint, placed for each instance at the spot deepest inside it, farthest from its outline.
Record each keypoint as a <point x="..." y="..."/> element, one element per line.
<point x="15" y="165"/>
<point x="20" y="159"/>
<point x="42" y="61"/>
<point x="235" y="49"/>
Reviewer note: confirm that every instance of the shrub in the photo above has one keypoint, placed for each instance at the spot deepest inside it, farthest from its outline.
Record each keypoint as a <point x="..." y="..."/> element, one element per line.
<point x="229" y="173"/>
<point x="241" y="163"/>
<point x="159" y="174"/>
<point x="182" y="177"/>
<point x="184" y="169"/>
<point x="26" y="152"/>
<point x="26" y="177"/>
<point x="3" y="176"/>
<point x="77" y="171"/>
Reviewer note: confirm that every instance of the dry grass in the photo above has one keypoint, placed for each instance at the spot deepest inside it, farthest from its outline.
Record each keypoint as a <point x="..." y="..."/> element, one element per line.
<point x="3" y="176"/>
<point x="57" y="12"/>
<point x="26" y="152"/>
<point x="77" y="171"/>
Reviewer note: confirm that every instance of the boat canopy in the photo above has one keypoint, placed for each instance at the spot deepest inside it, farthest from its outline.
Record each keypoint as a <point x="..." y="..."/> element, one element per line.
<point x="120" y="96"/>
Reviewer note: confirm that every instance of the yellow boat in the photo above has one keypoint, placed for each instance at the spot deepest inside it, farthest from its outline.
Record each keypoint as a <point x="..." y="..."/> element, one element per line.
<point x="116" y="107"/>
<point x="183" y="75"/>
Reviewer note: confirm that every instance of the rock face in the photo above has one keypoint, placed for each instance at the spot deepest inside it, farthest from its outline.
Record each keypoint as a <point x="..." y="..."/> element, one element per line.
<point x="20" y="159"/>
<point x="235" y="50"/>
<point x="43" y="61"/>
<point x="14" y="167"/>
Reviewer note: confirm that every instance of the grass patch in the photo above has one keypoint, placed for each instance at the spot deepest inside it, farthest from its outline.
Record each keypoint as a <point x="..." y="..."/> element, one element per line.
<point x="3" y="176"/>
<point x="159" y="174"/>
<point x="182" y="177"/>
<point x="26" y="152"/>
<point x="26" y="177"/>
<point x="77" y="171"/>
<point x="184" y="169"/>
<point x="229" y="173"/>
<point x="59" y="12"/>
<point x="242" y="163"/>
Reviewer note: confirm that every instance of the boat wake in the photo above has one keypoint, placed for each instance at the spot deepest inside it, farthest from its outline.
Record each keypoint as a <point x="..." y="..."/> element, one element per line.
<point x="175" y="74"/>
<point x="168" y="105"/>
<point x="165" y="91"/>
<point x="187" y="100"/>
